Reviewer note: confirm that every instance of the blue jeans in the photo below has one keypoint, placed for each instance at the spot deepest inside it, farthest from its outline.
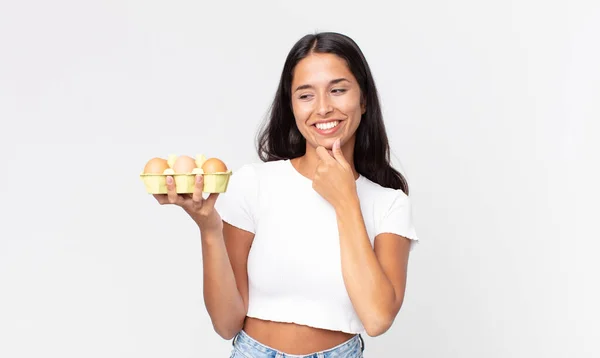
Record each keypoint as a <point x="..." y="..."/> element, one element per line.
<point x="245" y="346"/>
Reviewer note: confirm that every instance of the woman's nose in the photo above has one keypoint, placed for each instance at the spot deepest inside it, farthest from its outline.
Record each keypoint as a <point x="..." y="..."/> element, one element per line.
<point x="324" y="106"/>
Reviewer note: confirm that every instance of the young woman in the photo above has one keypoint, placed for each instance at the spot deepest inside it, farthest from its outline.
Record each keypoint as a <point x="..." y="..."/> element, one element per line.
<point x="308" y="248"/>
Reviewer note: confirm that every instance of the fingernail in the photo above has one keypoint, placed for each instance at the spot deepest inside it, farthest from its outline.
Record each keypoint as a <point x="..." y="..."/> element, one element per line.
<point x="198" y="178"/>
<point x="169" y="180"/>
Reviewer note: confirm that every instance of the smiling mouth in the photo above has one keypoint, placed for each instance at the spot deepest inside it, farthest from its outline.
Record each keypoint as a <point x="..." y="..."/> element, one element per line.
<point x="327" y="125"/>
<point x="327" y="128"/>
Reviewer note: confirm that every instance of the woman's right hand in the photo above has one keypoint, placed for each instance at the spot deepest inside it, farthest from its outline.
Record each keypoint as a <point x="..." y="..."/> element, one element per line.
<point x="201" y="210"/>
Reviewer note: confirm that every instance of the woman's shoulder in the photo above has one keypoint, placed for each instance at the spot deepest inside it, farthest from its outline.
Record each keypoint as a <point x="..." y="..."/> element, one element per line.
<point x="259" y="170"/>
<point x="378" y="189"/>
<point x="390" y="208"/>
<point x="378" y="194"/>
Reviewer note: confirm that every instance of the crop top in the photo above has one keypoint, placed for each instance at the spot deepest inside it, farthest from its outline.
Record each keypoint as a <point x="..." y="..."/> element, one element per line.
<point x="294" y="264"/>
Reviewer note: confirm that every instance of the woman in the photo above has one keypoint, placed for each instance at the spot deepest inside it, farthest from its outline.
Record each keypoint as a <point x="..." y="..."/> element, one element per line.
<point x="309" y="248"/>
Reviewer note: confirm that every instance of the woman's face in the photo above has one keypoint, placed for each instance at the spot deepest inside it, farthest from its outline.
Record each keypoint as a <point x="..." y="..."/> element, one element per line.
<point x="326" y="100"/>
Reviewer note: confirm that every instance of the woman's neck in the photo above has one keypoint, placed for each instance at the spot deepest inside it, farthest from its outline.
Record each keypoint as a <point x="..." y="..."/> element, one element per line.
<point x="307" y="164"/>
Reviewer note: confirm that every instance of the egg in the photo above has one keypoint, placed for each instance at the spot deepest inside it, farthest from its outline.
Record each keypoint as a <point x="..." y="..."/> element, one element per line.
<point x="156" y="166"/>
<point x="214" y="165"/>
<point x="184" y="164"/>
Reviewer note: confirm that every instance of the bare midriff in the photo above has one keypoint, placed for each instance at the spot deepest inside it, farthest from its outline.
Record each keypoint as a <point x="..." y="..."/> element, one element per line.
<point x="292" y="338"/>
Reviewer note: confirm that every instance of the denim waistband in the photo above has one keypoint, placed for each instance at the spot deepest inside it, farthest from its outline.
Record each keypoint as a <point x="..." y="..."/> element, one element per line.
<point x="247" y="347"/>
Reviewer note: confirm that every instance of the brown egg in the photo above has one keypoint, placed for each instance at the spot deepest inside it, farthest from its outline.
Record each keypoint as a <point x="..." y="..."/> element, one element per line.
<point x="214" y="165"/>
<point x="184" y="164"/>
<point x="156" y="166"/>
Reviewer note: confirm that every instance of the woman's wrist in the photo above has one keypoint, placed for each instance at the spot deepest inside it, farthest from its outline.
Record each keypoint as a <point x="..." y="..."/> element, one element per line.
<point x="350" y="203"/>
<point x="210" y="233"/>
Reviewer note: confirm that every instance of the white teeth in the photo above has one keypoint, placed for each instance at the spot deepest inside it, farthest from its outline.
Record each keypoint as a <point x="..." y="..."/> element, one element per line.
<point x="328" y="125"/>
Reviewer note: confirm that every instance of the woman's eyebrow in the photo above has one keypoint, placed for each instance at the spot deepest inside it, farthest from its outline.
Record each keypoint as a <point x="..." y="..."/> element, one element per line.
<point x="338" y="80"/>
<point x="332" y="82"/>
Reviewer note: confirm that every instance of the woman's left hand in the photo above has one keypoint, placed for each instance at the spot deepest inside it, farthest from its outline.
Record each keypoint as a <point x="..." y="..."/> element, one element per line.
<point x="334" y="179"/>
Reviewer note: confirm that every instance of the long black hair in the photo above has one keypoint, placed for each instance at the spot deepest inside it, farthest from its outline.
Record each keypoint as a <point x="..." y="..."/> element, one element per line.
<point x="279" y="137"/>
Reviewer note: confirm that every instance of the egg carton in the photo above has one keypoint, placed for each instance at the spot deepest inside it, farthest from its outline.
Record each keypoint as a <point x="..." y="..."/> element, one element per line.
<point x="185" y="183"/>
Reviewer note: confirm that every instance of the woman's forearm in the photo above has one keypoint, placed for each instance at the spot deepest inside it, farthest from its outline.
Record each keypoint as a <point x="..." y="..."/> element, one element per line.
<point x="223" y="301"/>
<point x="370" y="291"/>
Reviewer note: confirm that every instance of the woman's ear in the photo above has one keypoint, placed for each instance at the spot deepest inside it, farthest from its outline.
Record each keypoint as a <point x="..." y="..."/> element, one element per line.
<point x="363" y="105"/>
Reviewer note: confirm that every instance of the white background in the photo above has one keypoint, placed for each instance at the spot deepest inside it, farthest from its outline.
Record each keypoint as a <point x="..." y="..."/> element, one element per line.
<point x="492" y="109"/>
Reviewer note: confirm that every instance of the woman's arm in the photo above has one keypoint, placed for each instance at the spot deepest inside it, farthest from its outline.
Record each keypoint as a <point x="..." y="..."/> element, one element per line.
<point x="225" y="251"/>
<point x="375" y="279"/>
<point x="224" y="257"/>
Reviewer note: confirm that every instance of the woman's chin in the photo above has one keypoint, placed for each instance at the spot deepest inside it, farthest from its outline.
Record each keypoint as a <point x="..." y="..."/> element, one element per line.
<point x="327" y="143"/>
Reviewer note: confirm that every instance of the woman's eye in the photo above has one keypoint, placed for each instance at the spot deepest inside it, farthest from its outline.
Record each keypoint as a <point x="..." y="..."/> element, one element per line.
<point x="304" y="96"/>
<point x="339" y="90"/>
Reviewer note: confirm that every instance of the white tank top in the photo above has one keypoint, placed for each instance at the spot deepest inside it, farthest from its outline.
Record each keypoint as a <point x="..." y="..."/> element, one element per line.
<point x="294" y="264"/>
